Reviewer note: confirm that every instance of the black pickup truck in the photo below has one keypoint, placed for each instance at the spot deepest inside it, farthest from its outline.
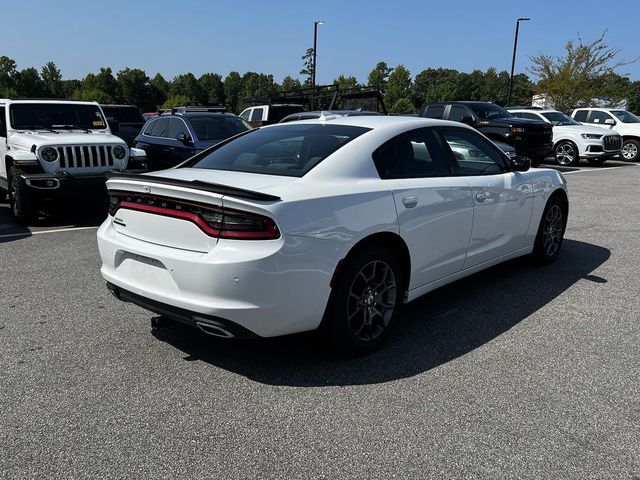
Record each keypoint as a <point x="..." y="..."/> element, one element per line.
<point x="530" y="138"/>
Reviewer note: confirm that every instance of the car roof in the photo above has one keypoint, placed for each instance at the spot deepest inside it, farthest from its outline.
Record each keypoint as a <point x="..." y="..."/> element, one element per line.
<point x="196" y="114"/>
<point x="377" y="122"/>
<point x="46" y="100"/>
<point x="532" y="110"/>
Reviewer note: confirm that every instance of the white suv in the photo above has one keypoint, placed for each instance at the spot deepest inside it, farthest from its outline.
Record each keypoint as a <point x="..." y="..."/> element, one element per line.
<point x="53" y="148"/>
<point x="623" y="122"/>
<point x="572" y="140"/>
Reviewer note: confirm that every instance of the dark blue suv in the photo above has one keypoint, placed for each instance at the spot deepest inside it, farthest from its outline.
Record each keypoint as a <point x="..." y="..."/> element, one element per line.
<point x="172" y="137"/>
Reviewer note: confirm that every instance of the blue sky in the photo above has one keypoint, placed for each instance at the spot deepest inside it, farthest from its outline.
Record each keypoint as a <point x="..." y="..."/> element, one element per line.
<point x="173" y="37"/>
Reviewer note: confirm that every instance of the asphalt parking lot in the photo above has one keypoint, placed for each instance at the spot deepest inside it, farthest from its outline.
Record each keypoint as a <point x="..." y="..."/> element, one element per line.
<point x="516" y="372"/>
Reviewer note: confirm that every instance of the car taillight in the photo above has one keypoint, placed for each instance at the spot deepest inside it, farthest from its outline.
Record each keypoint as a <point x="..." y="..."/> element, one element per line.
<point x="216" y="222"/>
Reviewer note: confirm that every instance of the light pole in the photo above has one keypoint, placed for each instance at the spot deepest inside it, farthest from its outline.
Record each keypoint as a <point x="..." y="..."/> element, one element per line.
<point x="315" y="48"/>
<point x="513" y="60"/>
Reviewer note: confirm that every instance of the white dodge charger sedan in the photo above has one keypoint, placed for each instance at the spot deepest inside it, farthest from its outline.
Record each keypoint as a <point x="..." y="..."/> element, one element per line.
<point x="328" y="223"/>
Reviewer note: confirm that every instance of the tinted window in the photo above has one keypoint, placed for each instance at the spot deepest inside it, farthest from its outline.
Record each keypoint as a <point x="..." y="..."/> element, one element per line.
<point x="457" y="112"/>
<point x="3" y="126"/>
<point x="32" y="116"/>
<point x="217" y="127"/>
<point x="176" y="126"/>
<point x="256" y="116"/>
<point x="160" y="127"/>
<point x="473" y="154"/>
<point x="285" y="149"/>
<point x="581" y="115"/>
<point x="487" y="111"/>
<point x="412" y="155"/>
<point x="559" y="118"/>
<point x="149" y="127"/>
<point x="599" y="117"/>
<point x="436" y="111"/>
<point x="529" y="116"/>
<point x="123" y="114"/>
<point x="626" y="117"/>
<point x="245" y="115"/>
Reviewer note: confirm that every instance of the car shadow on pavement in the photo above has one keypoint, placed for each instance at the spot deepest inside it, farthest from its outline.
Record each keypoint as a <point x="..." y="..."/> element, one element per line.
<point x="53" y="217"/>
<point x="434" y="329"/>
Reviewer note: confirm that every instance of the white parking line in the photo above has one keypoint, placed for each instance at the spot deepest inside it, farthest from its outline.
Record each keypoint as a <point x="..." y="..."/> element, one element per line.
<point x="40" y="232"/>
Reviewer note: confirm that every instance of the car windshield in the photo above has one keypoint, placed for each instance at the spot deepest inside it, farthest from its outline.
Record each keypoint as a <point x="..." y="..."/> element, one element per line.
<point x="286" y="149"/>
<point x="123" y="114"/>
<point x="625" y="117"/>
<point x="56" y="116"/>
<point x="559" y="118"/>
<point x="488" y="111"/>
<point x="217" y="126"/>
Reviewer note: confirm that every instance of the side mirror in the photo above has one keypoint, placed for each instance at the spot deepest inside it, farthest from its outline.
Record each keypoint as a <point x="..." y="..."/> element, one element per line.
<point x="610" y="121"/>
<point x="520" y="164"/>
<point x="182" y="137"/>
<point x="114" y="125"/>
<point x="468" y="119"/>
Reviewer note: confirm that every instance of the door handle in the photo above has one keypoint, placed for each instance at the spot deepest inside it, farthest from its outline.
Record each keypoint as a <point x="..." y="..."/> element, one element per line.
<point x="410" y="201"/>
<point x="482" y="196"/>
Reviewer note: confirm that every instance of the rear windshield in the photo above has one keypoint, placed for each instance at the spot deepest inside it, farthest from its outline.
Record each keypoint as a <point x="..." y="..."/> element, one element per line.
<point x="123" y="114"/>
<point x="286" y="149"/>
<point x="217" y="126"/>
<point x="55" y="116"/>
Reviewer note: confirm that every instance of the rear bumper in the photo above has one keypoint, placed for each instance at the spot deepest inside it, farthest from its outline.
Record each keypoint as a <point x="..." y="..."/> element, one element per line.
<point x="268" y="288"/>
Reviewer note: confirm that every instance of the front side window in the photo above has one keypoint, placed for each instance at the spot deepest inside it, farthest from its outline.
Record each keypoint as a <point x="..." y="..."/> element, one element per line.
<point x="245" y="115"/>
<point x="559" y="119"/>
<point x="3" y="127"/>
<point x="488" y="111"/>
<point x="598" y="116"/>
<point x="217" y="127"/>
<point x="176" y="126"/>
<point x="625" y="117"/>
<point x="473" y="154"/>
<point x="412" y="155"/>
<point x="56" y="116"/>
<point x="256" y="116"/>
<point x="286" y="149"/>
<point x="458" y="112"/>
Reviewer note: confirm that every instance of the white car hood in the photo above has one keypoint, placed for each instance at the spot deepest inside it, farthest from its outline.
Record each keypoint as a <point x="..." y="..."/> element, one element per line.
<point x="248" y="181"/>
<point x="26" y="140"/>
<point x="583" y="129"/>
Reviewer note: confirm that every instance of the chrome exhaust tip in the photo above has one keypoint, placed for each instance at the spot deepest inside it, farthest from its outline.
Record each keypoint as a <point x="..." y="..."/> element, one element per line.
<point x="214" y="330"/>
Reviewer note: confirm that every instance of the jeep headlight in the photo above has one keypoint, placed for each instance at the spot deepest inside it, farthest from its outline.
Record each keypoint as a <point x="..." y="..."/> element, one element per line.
<point x="591" y="136"/>
<point x="119" y="152"/>
<point x="49" y="154"/>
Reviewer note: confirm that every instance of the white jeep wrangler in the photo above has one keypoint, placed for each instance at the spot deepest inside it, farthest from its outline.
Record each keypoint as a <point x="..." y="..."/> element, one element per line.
<point x="57" y="148"/>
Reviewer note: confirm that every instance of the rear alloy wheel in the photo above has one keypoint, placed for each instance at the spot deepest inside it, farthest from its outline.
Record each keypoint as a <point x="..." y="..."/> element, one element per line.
<point x="365" y="301"/>
<point x="566" y="154"/>
<point x="630" y="150"/>
<point x="550" y="232"/>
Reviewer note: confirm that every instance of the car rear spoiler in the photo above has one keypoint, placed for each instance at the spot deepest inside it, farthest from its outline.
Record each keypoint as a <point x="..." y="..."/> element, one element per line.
<point x="196" y="185"/>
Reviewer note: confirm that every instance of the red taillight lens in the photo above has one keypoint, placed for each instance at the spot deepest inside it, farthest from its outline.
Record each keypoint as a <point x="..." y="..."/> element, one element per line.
<point x="214" y="221"/>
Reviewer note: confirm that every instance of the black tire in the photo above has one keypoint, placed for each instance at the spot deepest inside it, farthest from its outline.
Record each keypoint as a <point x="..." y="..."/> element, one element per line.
<point x="631" y="150"/>
<point x="566" y="153"/>
<point x="596" y="161"/>
<point x="362" y="311"/>
<point x="20" y="199"/>
<point x="550" y="232"/>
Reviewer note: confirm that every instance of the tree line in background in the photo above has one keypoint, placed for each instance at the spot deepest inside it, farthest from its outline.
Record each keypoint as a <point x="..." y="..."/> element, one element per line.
<point x="586" y="71"/>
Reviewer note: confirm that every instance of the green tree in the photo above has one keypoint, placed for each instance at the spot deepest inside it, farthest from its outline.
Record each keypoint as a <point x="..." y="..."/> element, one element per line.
<point x="7" y="77"/>
<point x="403" y="105"/>
<point x="29" y="84"/>
<point x="434" y="85"/>
<point x="213" y="88"/>
<point x="256" y="85"/>
<point x="160" y="84"/>
<point x="379" y="76"/>
<point x="399" y="85"/>
<point x="135" y="88"/>
<point x="52" y="80"/>
<point x="571" y="80"/>
<point x="175" y="101"/>
<point x="307" y="67"/>
<point x="69" y="87"/>
<point x="91" y="94"/>
<point x="232" y="87"/>
<point x="346" y="83"/>
<point x="187" y="85"/>
<point x="289" y="83"/>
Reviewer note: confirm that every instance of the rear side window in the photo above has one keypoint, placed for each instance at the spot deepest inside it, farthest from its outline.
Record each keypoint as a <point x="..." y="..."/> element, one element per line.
<point x="581" y="115"/>
<point x="436" y="111"/>
<point x="149" y="127"/>
<point x="412" y="155"/>
<point x="3" y="124"/>
<point x="256" y="115"/>
<point x="286" y="149"/>
<point x="473" y="154"/>
<point x="160" y="128"/>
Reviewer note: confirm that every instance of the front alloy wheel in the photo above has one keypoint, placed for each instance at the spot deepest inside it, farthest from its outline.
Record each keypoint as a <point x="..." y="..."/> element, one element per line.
<point x="566" y="154"/>
<point x="630" y="150"/>
<point x="550" y="232"/>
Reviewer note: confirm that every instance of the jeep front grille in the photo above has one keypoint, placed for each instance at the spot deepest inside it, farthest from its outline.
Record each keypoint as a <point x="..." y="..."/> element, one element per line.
<point x="612" y="142"/>
<point x="86" y="156"/>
